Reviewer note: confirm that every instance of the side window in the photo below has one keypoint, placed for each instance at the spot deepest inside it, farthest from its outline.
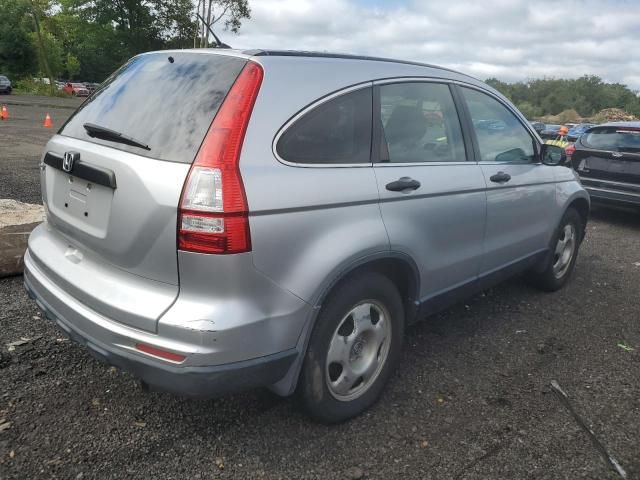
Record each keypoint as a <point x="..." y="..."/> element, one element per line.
<point x="338" y="131"/>
<point x="420" y="124"/>
<point x="501" y="136"/>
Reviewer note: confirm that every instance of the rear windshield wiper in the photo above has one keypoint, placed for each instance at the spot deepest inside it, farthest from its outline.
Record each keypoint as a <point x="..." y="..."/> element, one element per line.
<point x="96" y="131"/>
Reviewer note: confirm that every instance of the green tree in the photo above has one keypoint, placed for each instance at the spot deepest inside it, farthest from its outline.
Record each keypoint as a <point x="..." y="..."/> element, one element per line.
<point x="17" y="55"/>
<point x="210" y="12"/>
<point x="549" y="96"/>
<point x="89" y="39"/>
<point x="72" y="65"/>
<point x="529" y="110"/>
<point x="51" y="59"/>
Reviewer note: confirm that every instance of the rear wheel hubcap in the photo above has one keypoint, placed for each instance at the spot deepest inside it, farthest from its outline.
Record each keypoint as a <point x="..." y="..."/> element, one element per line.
<point x="358" y="350"/>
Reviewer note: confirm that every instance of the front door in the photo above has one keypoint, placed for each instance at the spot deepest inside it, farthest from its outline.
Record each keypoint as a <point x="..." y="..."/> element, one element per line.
<point x="432" y="198"/>
<point x="521" y="192"/>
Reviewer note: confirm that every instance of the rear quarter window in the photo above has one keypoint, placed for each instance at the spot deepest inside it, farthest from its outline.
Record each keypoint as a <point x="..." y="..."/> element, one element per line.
<point x="335" y="132"/>
<point x="166" y="100"/>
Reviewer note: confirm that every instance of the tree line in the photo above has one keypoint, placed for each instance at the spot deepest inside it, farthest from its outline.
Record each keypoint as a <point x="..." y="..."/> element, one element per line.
<point x="88" y="39"/>
<point x="549" y="96"/>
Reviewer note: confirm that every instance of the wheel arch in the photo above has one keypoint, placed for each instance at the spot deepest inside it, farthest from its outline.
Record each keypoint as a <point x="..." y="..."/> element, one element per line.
<point x="582" y="206"/>
<point x="399" y="267"/>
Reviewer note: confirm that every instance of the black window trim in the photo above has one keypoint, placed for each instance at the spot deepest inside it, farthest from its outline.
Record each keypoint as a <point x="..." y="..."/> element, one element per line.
<point x="468" y="132"/>
<point x="303" y="111"/>
<point x="377" y="123"/>
<point x="537" y="144"/>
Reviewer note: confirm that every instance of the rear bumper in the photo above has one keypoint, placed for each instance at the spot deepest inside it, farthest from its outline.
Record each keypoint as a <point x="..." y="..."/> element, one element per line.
<point x="113" y="343"/>
<point x="612" y="193"/>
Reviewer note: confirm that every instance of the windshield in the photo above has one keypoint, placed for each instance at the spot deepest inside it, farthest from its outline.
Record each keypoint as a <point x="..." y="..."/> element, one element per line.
<point x="165" y="100"/>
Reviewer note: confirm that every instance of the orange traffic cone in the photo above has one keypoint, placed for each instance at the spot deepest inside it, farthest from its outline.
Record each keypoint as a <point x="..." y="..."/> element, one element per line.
<point x="4" y="113"/>
<point x="47" y="122"/>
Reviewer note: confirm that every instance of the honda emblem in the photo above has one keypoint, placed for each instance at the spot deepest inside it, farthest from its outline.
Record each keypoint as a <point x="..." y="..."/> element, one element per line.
<point x="68" y="161"/>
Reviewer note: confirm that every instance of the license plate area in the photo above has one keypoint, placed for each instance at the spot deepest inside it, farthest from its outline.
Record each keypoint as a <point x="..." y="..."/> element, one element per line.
<point x="80" y="203"/>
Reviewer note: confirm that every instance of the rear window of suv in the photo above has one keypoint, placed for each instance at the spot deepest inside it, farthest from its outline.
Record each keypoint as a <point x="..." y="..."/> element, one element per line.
<point x="166" y="100"/>
<point x="613" y="138"/>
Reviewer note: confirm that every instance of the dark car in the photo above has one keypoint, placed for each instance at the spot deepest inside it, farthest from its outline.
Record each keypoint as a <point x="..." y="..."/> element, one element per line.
<point x="5" y="85"/>
<point x="538" y="126"/>
<point x="550" y="131"/>
<point x="607" y="158"/>
<point x="576" y="131"/>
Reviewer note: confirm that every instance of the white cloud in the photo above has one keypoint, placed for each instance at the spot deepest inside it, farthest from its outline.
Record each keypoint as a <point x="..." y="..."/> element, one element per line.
<point x="510" y="39"/>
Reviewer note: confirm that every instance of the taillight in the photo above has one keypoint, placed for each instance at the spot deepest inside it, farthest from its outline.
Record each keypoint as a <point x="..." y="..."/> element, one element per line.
<point x="570" y="150"/>
<point x="213" y="216"/>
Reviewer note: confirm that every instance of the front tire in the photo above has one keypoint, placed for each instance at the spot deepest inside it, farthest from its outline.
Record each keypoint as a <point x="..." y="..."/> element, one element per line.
<point x="559" y="264"/>
<point x="354" y="348"/>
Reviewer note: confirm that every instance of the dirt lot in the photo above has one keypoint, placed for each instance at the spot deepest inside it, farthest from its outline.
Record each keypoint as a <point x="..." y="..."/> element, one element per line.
<point x="22" y="140"/>
<point x="471" y="399"/>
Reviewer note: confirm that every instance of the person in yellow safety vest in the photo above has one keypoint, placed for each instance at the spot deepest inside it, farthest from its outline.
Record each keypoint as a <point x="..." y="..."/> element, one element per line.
<point x="561" y="139"/>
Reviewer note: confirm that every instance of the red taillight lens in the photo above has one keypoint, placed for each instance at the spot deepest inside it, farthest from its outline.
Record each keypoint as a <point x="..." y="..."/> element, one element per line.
<point x="156" y="352"/>
<point x="213" y="216"/>
<point x="570" y="150"/>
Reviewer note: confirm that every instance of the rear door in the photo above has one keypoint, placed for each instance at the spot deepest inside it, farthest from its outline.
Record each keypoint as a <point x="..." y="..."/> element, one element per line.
<point x="432" y="196"/>
<point x="609" y="158"/>
<point x="521" y="191"/>
<point x="112" y="202"/>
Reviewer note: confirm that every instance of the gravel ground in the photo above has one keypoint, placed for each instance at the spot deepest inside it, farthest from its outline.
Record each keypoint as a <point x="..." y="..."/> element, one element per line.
<point x="471" y="399"/>
<point x="22" y="140"/>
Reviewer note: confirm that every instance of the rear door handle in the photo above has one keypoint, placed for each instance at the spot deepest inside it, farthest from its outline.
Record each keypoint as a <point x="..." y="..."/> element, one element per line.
<point x="402" y="184"/>
<point x="500" y="177"/>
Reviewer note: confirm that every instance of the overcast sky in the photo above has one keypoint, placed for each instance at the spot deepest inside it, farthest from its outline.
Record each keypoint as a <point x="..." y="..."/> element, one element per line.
<point x="508" y="39"/>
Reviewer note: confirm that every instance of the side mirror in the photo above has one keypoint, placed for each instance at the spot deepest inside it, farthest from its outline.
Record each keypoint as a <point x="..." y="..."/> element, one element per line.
<point x="553" y="155"/>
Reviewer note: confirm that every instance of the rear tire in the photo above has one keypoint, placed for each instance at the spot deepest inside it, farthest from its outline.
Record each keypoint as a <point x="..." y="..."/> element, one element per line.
<point x="354" y="348"/>
<point x="560" y="262"/>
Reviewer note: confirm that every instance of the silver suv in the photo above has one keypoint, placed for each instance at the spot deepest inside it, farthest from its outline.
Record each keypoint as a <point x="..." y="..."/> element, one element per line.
<point x="219" y="220"/>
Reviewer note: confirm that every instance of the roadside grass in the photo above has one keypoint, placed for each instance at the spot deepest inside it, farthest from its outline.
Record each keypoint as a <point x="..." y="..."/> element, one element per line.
<point x="28" y="86"/>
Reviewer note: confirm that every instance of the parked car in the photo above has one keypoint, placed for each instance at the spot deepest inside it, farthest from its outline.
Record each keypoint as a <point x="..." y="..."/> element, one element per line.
<point x="550" y="132"/>
<point x="5" y="85"/>
<point x="538" y="126"/>
<point x="76" y="89"/>
<point x="91" y="87"/>
<point x="60" y="85"/>
<point x="576" y="131"/>
<point x="607" y="158"/>
<point x="289" y="241"/>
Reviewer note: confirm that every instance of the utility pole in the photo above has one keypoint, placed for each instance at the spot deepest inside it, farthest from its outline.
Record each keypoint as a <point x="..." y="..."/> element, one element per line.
<point x="43" y="53"/>
<point x="196" y="33"/>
